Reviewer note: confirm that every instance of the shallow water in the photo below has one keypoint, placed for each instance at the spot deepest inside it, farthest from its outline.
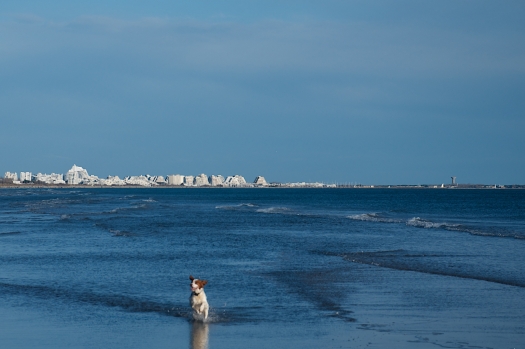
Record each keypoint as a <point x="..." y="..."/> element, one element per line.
<point x="301" y="268"/>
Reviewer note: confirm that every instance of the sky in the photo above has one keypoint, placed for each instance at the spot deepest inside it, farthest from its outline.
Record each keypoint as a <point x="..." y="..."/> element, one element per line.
<point x="370" y="92"/>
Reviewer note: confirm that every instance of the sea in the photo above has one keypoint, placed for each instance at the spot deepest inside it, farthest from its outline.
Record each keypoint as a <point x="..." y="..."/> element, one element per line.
<point x="286" y="268"/>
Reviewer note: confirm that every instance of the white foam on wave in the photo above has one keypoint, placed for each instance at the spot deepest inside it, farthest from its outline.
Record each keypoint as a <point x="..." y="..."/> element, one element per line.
<point x="423" y="223"/>
<point x="245" y="205"/>
<point x="413" y="222"/>
<point x="373" y="217"/>
<point x="275" y="210"/>
<point x="488" y="232"/>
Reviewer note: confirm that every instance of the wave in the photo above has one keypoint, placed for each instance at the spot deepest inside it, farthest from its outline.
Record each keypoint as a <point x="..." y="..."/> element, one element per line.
<point x="256" y="208"/>
<point x="418" y="222"/>
<point x="373" y="217"/>
<point x="378" y="217"/>
<point x="7" y="233"/>
<point x="282" y="210"/>
<point x="427" y="263"/>
<point x="489" y="232"/>
<point x="423" y="223"/>
<point x="122" y="301"/>
<point x="236" y="207"/>
<point x="500" y="234"/>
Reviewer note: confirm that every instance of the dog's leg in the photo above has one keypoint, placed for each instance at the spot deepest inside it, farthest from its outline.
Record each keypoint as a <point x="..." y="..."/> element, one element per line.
<point x="203" y="310"/>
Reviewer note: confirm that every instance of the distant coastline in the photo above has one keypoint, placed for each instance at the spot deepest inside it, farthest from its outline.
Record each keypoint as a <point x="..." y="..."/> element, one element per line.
<point x="78" y="177"/>
<point x="270" y="186"/>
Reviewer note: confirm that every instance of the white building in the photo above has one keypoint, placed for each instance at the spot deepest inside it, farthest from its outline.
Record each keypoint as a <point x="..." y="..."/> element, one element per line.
<point x="139" y="180"/>
<point x="259" y="180"/>
<point x="9" y="175"/>
<point x="235" y="181"/>
<point x="175" y="179"/>
<point x="112" y="180"/>
<point x="188" y="181"/>
<point x="159" y="180"/>
<point x="156" y="180"/>
<point x="76" y="175"/>
<point x="216" y="180"/>
<point x="201" y="180"/>
<point x="25" y="176"/>
<point x="93" y="180"/>
<point x="53" y="178"/>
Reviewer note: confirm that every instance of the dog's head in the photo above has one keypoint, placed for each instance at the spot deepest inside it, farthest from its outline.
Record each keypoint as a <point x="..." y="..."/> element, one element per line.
<point x="197" y="285"/>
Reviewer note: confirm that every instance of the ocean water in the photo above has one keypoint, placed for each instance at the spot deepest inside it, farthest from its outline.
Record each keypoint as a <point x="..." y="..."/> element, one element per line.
<point x="286" y="268"/>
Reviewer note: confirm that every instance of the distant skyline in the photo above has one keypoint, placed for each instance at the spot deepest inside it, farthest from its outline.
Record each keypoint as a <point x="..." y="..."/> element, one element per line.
<point x="373" y="92"/>
<point x="52" y="176"/>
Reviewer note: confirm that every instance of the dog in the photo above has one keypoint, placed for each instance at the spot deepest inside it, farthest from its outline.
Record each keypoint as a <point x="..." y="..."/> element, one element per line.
<point x="198" y="300"/>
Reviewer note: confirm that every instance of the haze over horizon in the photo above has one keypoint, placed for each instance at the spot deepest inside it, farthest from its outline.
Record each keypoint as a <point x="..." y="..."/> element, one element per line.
<point x="377" y="92"/>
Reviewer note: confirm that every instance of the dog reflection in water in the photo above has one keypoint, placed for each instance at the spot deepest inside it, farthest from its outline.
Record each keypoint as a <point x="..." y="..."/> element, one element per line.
<point x="199" y="335"/>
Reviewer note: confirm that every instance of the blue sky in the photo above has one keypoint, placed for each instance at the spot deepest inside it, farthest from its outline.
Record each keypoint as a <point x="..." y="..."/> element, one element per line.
<point x="375" y="92"/>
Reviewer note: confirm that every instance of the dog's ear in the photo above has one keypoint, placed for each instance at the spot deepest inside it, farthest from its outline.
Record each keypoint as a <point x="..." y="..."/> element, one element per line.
<point x="192" y="278"/>
<point x="204" y="282"/>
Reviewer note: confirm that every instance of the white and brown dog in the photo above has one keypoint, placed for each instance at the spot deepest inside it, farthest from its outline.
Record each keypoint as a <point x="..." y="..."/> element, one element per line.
<point x="198" y="300"/>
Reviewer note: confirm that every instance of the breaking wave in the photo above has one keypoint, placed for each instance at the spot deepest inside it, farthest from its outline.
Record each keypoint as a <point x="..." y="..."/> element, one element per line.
<point x="282" y="210"/>
<point x="422" y="223"/>
<point x="489" y="232"/>
<point x="373" y="217"/>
